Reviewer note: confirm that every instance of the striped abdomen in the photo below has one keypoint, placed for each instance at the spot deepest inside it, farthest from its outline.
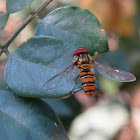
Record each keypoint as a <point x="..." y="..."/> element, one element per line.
<point x="88" y="82"/>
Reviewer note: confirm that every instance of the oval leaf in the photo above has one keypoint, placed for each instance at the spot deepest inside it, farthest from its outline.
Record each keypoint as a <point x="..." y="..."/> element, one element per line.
<point x="75" y="26"/>
<point x="29" y="119"/>
<point x="17" y="5"/>
<point x="34" y="63"/>
<point x="3" y="20"/>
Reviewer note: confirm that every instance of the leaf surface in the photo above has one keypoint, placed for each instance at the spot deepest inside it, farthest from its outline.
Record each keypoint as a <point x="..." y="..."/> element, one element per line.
<point x="34" y="63"/>
<point x="37" y="61"/>
<point x="76" y="27"/>
<point x="17" y="5"/>
<point x="28" y="119"/>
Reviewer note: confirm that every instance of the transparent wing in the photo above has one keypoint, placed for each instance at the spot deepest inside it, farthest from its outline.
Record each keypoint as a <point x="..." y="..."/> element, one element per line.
<point x="61" y="78"/>
<point x="114" y="73"/>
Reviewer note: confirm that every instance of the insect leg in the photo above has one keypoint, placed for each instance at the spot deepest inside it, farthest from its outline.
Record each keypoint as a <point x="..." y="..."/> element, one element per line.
<point x="76" y="83"/>
<point x="71" y="61"/>
<point x="93" y="67"/>
<point x="96" y="76"/>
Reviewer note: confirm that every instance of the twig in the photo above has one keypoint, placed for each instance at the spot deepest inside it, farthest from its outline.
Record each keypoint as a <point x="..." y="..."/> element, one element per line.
<point x="4" y="48"/>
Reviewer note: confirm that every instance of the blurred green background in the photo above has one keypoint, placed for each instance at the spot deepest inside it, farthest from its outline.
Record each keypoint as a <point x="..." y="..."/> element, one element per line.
<point x="114" y="112"/>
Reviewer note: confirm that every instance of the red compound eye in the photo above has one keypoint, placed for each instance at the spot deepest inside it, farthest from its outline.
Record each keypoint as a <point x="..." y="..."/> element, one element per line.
<point x="81" y="50"/>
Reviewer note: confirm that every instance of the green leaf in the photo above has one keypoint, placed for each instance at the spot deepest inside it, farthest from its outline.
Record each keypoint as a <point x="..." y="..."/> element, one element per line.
<point x="34" y="63"/>
<point x="75" y="26"/>
<point x="28" y="119"/>
<point x="17" y="5"/>
<point x="3" y="20"/>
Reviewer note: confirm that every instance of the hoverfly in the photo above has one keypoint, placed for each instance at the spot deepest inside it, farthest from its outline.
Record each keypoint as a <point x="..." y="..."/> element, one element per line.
<point x="85" y="67"/>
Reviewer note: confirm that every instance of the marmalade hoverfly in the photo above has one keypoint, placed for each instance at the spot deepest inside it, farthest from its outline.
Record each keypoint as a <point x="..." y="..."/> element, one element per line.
<point x="85" y="67"/>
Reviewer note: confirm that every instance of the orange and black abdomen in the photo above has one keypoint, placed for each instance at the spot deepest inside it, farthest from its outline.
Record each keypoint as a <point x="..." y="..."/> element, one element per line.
<point x="88" y="82"/>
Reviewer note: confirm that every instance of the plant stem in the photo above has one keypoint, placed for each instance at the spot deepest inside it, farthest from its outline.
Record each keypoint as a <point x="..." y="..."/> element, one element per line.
<point x="21" y="27"/>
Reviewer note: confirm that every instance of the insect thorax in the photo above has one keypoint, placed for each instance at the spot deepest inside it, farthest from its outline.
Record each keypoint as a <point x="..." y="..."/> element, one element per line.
<point x="83" y="60"/>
